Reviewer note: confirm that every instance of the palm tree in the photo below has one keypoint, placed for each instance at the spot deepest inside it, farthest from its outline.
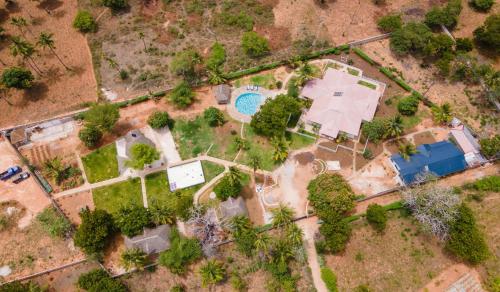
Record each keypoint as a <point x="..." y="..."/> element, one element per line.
<point x="212" y="272"/>
<point x="406" y="150"/>
<point x="134" y="258"/>
<point x="282" y="216"/>
<point x="280" y="145"/>
<point x="45" y="40"/>
<point x="304" y="74"/>
<point x="294" y="235"/>
<point x="442" y="113"/>
<point x="394" y="127"/>
<point x="234" y="175"/>
<point x="240" y="143"/>
<point x="262" y="244"/>
<point x="141" y="36"/>
<point x="255" y="161"/>
<point x="56" y="169"/>
<point x="20" y="23"/>
<point x="215" y="76"/>
<point x="161" y="215"/>
<point x="240" y="223"/>
<point x="25" y="49"/>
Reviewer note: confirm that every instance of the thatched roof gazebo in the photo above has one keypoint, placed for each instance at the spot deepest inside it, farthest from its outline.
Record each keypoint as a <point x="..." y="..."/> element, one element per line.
<point x="222" y="93"/>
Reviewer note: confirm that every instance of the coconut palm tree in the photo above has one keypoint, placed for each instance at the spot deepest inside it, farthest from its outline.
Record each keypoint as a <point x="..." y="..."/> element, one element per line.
<point x="134" y="258"/>
<point x="304" y="74"/>
<point x="282" y="216"/>
<point x="21" y="47"/>
<point x="294" y="235"/>
<point x="212" y="273"/>
<point x="280" y="145"/>
<point x="262" y="244"/>
<point x="240" y="223"/>
<point x="241" y="143"/>
<point x="45" y="40"/>
<point x="394" y="127"/>
<point x="20" y="23"/>
<point x="141" y="37"/>
<point x="215" y="76"/>
<point x="442" y="113"/>
<point x="161" y="215"/>
<point x="406" y="150"/>
<point x="234" y="175"/>
<point x="254" y="161"/>
<point x="56" y="169"/>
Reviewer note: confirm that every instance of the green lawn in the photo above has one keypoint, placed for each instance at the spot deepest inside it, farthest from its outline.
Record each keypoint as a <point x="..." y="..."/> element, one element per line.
<point x="260" y="146"/>
<point x="158" y="189"/>
<point x="195" y="136"/>
<point x="263" y="80"/>
<point x="298" y="141"/>
<point x="101" y="164"/>
<point x="113" y="197"/>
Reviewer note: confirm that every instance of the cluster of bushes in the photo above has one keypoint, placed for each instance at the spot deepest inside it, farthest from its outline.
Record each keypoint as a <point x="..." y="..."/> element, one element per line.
<point x="482" y="5"/>
<point x="99" y="280"/>
<point x="408" y="105"/>
<point x="487" y="35"/>
<point x="141" y="155"/>
<point x="228" y="188"/>
<point x="53" y="222"/>
<point x="183" y="251"/>
<point x="376" y="215"/>
<point x="98" y="119"/>
<point x="390" y="22"/>
<point x="447" y="15"/>
<point x="84" y="21"/>
<point x="158" y="120"/>
<point x="17" y="286"/>
<point x="240" y="20"/>
<point x="332" y="198"/>
<point x="214" y="116"/>
<point x="254" y="45"/>
<point x="17" y="77"/>
<point x="486" y="184"/>
<point x="275" y="115"/>
<point x="382" y="128"/>
<point x="182" y="95"/>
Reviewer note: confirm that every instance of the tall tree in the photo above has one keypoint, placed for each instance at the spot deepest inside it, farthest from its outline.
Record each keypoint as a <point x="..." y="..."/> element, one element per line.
<point x="20" y="23"/>
<point x="442" y="113"/>
<point x="394" y="127"/>
<point x="45" y="40"/>
<point x="406" y="150"/>
<point x="255" y="161"/>
<point x="134" y="258"/>
<point x="234" y="175"/>
<point x="282" y="216"/>
<point x="21" y="47"/>
<point x="304" y="74"/>
<point x="280" y="145"/>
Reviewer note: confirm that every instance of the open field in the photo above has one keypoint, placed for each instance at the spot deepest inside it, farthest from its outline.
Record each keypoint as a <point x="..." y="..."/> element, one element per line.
<point x="101" y="164"/>
<point x="30" y="250"/>
<point x="57" y="90"/>
<point x="113" y="197"/>
<point x="72" y="204"/>
<point x="64" y="280"/>
<point x="400" y="259"/>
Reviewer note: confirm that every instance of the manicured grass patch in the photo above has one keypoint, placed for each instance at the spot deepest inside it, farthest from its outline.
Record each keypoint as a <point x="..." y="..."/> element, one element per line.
<point x="263" y="80"/>
<point x="353" y="71"/>
<point x="195" y="136"/>
<point x="211" y="170"/>
<point x="260" y="146"/>
<point x="367" y="84"/>
<point x="298" y="141"/>
<point x="113" y="197"/>
<point x="101" y="164"/>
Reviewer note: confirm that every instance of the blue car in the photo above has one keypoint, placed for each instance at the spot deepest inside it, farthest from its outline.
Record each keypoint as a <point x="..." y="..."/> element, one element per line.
<point x="10" y="172"/>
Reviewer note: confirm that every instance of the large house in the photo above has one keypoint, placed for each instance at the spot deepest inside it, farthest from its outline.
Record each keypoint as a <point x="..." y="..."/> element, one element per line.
<point x="440" y="159"/>
<point x="341" y="101"/>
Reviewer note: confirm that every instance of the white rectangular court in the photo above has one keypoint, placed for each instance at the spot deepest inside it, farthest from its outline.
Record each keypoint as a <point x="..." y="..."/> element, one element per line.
<point x="185" y="175"/>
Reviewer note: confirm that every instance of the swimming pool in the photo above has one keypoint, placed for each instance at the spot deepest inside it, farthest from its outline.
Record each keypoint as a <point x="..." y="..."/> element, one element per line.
<point x="248" y="102"/>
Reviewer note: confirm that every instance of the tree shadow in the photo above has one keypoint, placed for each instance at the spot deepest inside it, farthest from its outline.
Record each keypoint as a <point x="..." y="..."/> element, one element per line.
<point x="50" y="4"/>
<point x="77" y="70"/>
<point x="4" y="16"/>
<point x="37" y="92"/>
<point x="52" y="75"/>
<point x="59" y="14"/>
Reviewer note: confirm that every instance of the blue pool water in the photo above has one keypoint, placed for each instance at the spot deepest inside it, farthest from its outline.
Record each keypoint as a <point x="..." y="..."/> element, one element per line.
<point x="248" y="103"/>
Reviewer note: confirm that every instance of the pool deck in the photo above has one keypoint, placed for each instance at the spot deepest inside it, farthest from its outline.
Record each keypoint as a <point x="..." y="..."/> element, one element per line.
<point x="231" y="108"/>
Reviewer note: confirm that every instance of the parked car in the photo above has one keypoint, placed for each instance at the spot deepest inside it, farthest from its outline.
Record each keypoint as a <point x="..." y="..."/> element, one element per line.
<point x="20" y="177"/>
<point x="10" y="172"/>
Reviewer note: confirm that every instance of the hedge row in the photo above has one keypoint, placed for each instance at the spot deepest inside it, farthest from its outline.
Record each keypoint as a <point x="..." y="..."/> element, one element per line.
<point x="393" y="206"/>
<point x="393" y="77"/>
<point x="328" y="276"/>
<point x="269" y="66"/>
<point x="364" y="56"/>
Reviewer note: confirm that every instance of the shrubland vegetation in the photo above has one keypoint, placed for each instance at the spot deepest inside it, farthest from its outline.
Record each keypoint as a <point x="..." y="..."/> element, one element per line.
<point x="99" y="280"/>
<point x="98" y="119"/>
<point x="376" y="216"/>
<point x="158" y="120"/>
<point x="182" y="252"/>
<point x="95" y="231"/>
<point x="53" y="222"/>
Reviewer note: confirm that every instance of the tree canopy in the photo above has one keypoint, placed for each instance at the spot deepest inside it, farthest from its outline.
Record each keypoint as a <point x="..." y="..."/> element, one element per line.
<point x="142" y="154"/>
<point x="390" y="23"/>
<point x="482" y="5"/>
<point x="90" y="135"/>
<point x="94" y="232"/>
<point x="217" y="56"/>
<point x="487" y="36"/>
<point x="254" y="45"/>
<point x="227" y="188"/>
<point x="214" y="116"/>
<point x="274" y="115"/>
<point x="447" y="15"/>
<point x="131" y="220"/>
<point x="103" y="116"/>
<point x="84" y="21"/>
<point x="182" y="252"/>
<point x="98" y="280"/>
<point x="17" y="77"/>
<point x="115" y="4"/>
<point x="376" y="216"/>
<point x="158" y="120"/>
<point x="408" y="105"/>
<point x="182" y="95"/>
<point x="411" y="38"/>
<point x="184" y="63"/>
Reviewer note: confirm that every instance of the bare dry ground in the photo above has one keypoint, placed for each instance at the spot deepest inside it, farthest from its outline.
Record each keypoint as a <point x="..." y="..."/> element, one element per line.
<point x="58" y="90"/>
<point x="400" y="259"/>
<point x="64" y="280"/>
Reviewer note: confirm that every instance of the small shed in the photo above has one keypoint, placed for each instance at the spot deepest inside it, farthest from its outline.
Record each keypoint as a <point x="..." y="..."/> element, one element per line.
<point x="185" y="175"/>
<point x="153" y="240"/>
<point x="233" y="207"/>
<point x="222" y="93"/>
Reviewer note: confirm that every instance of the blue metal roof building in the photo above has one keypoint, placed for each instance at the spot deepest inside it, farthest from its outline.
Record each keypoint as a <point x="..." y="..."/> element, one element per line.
<point x="441" y="159"/>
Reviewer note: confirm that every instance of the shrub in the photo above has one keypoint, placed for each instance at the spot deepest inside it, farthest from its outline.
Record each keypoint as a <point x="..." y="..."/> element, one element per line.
<point x="115" y="4"/>
<point x="377" y="217"/>
<point x="16" y="77"/>
<point x="329" y="278"/>
<point x="103" y="116"/>
<point x="240" y="20"/>
<point x="390" y="23"/>
<point x="336" y="234"/>
<point x="487" y="36"/>
<point x="123" y="74"/>
<point x="466" y="240"/>
<point x="141" y="155"/>
<point x="17" y="286"/>
<point x="374" y="130"/>
<point x="367" y="154"/>
<point x="134" y="258"/>
<point x="217" y="56"/>
<point x="90" y="135"/>
<point x="482" y="5"/>
<point x="292" y="88"/>
<point x="411" y="38"/>
<point x="464" y="44"/>
<point x="177" y="288"/>
<point x="132" y="220"/>
<point x="212" y="272"/>
<point x="184" y="63"/>
<point x="52" y="222"/>
<point x="225" y="189"/>
<point x="486" y="184"/>
<point x="98" y="280"/>
<point x="408" y="105"/>
<point x="447" y="15"/>
<point x="490" y="147"/>
<point x="94" y="232"/>
<point x="364" y="56"/>
<point x="158" y="120"/>
<point x="182" y="95"/>
<point x="214" y="116"/>
<point x="254" y="45"/>
<point x="182" y="252"/>
<point x="84" y="21"/>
